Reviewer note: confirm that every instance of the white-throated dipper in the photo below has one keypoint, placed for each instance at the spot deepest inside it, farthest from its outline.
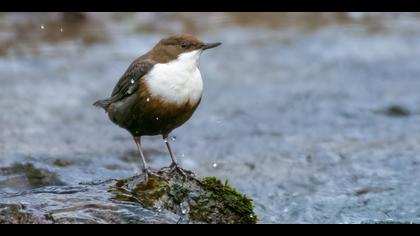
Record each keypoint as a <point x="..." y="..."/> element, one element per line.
<point x="159" y="91"/>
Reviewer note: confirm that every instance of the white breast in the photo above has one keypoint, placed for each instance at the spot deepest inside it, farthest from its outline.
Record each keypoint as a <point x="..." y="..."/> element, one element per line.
<point x="178" y="81"/>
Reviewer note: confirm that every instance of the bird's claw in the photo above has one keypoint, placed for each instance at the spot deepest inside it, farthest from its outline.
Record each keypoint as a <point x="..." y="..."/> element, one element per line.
<point x="175" y="167"/>
<point x="149" y="172"/>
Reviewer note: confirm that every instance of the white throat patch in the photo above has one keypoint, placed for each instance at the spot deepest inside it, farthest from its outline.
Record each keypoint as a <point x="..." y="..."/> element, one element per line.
<point x="178" y="81"/>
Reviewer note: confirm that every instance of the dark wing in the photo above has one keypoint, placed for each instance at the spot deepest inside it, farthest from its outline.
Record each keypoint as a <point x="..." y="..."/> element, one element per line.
<point x="128" y="83"/>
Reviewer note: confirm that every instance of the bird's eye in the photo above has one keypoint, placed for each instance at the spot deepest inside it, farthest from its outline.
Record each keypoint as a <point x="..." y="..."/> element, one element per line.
<point x="184" y="44"/>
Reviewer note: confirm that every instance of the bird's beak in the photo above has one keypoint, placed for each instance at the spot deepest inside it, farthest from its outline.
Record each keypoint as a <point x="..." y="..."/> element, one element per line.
<point x="210" y="45"/>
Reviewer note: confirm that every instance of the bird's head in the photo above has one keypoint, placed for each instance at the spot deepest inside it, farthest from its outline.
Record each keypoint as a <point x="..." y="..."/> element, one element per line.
<point x="181" y="46"/>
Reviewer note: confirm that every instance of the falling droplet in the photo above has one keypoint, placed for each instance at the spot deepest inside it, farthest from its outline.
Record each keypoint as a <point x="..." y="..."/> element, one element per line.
<point x="165" y="140"/>
<point x="157" y="118"/>
<point x="173" y="138"/>
<point x="61" y="30"/>
<point x="214" y="165"/>
<point x="182" y="155"/>
<point x="148" y="100"/>
<point x="42" y="27"/>
<point x="132" y="81"/>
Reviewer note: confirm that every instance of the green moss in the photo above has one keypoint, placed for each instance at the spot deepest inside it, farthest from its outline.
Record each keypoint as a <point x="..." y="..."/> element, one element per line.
<point x="151" y="191"/>
<point x="120" y="183"/>
<point x="178" y="193"/>
<point x="228" y="199"/>
<point x="205" y="200"/>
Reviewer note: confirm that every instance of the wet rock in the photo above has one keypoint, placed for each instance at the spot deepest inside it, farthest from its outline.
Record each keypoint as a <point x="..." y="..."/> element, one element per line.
<point x="396" y="111"/>
<point x="364" y="191"/>
<point x="26" y="176"/>
<point x="206" y="200"/>
<point x="170" y="198"/>
<point x="88" y="203"/>
<point x="63" y="162"/>
<point x="17" y="214"/>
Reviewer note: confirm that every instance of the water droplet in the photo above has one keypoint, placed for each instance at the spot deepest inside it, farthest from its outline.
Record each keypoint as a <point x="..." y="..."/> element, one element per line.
<point x="132" y="81"/>
<point x="137" y="132"/>
<point x="130" y="90"/>
<point x="214" y="165"/>
<point x="185" y="208"/>
<point x="157" y="118"/>
<point x="42" y="27"/>
<point x="165" y="140"/>
<point x="61" y="30"/>
<point x="148" y="100"/>
<point x="173" y="138"/>
<point x="182" y="155"/>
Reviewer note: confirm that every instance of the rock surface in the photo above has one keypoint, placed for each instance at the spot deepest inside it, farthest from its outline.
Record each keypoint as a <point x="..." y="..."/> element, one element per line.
<point x="205" y="200"/>
<point x="171" y="198"/>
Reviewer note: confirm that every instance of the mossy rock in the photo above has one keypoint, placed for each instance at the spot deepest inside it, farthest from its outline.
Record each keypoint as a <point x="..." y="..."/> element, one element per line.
<point x="201" y="200"/>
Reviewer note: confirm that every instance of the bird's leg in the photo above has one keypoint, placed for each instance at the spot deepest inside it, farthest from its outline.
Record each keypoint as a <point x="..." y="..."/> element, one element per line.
<point x="174" y="166"/>
<point x="146" y="170"/>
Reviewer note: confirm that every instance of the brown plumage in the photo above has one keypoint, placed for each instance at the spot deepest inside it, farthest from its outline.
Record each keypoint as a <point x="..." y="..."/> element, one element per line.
<point x="134" y="107"/>
<point x="149" y="115"/>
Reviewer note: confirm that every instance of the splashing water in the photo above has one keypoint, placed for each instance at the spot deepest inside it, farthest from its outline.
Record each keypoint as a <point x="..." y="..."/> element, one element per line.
<point x="185" y="208"/>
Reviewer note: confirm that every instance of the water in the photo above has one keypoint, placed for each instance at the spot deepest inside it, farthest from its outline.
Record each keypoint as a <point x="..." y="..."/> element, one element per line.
<point x="299" y="109"/>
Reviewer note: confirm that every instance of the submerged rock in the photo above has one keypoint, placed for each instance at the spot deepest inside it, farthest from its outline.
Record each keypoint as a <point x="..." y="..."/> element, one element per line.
<point x="205" y="200"/>
<point x="26" y="176"/>
<point x="17" y="214"/>
<point x="396" y="111"/>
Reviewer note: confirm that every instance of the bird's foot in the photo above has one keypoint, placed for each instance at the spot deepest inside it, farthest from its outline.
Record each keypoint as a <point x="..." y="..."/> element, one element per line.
<point x="175" y="167"/>
<point x="149" y="172"/>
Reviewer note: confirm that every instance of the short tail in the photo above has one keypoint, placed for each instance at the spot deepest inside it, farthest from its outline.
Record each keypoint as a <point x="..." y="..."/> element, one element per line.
<point x="103" y="104"/>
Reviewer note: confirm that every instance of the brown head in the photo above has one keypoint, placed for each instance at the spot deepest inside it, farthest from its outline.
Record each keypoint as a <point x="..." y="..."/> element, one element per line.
<point x="170" y="48"/>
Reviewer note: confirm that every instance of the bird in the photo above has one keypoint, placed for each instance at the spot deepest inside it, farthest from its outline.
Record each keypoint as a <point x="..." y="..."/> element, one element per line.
<point x="159" y="92"/>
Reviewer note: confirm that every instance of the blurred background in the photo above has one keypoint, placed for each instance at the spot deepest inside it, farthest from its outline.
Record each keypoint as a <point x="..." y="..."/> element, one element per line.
<point x="315" y="116"/>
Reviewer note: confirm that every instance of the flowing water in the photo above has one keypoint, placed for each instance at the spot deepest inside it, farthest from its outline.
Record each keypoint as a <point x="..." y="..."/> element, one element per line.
<point x="313" y="116"/>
